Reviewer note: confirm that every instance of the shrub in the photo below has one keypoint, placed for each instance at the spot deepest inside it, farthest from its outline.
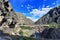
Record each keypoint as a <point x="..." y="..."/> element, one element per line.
<point x="24" y="27"/>
<point x="54" y="25"/>
<point x="21" y="33"/>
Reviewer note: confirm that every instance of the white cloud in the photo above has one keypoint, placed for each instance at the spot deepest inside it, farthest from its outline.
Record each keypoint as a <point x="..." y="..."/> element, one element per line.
<point x="46" y="9"/>
<point x="37" y="12"/>
<point x="48" y="6"/>
<point x="28" y="7"/>
<point x="33" y="18"/>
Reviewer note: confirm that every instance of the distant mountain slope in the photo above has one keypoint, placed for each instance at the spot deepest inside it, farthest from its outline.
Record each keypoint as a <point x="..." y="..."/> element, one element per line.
<point x="53" y="16"/>
<point x="23" y="20"/>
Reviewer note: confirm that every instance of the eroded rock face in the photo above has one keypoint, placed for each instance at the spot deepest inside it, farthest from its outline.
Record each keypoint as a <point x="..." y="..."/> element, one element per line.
<point x="50" y="33"/>
<point x="7" y="17"/>
<point x="9" y="20"/>
<point x="53" y="16"/>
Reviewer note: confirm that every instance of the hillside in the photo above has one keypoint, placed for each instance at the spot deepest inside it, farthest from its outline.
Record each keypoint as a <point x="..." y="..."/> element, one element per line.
<point x="9" y="20"/>
<point x="53" y="16"/>
<point x="23" y="20"/>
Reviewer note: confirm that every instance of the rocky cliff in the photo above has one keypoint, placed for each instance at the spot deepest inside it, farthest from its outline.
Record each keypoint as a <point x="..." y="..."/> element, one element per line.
<point x="53" y="16"/>
<point x="9" y="20"/>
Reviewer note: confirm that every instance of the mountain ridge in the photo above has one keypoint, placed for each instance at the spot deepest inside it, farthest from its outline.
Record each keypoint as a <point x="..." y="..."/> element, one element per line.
<point x="50" y="17"/>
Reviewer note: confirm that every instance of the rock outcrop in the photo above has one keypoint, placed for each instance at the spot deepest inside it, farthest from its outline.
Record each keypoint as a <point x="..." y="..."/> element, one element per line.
<point x="9" y="20"/>
<point x="50" y="33"/>
<point x="53" y="16"/>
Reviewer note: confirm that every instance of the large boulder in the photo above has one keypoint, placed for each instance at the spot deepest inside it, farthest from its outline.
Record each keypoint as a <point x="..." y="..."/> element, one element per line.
<point x="49" y="33"/>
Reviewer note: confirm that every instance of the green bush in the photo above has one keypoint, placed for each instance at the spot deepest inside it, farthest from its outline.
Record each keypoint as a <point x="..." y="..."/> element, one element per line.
<point x="21" y="33"/>
<point x="24" y="27"/>
<point x="25" y="31"/>
<point x="54" y="25"/>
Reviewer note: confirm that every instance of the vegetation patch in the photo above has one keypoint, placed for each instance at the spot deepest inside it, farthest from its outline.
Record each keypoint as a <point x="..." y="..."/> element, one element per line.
<point x="54" y="25"/>
<point x="25" y="27"/>
<point x="25" y="31"/>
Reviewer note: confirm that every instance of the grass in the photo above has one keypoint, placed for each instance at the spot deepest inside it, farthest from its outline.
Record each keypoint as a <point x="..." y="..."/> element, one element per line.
<point x="21" y="33"/>
<point x="25" y="31"/>
<point x="54" y="25"/>
<point x="24" y="27"/>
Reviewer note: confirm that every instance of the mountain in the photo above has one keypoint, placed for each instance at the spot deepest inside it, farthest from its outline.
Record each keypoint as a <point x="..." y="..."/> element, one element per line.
<point x="23" y="20"/>
<point x="9" y="20"/>
<point x="53" y="16"/>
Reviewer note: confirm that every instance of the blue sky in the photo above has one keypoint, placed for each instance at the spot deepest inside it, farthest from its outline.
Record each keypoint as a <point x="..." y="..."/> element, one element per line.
<point x="33" y="9"/>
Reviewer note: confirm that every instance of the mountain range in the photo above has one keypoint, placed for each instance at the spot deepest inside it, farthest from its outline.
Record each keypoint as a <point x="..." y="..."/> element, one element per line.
<point x="53" y="16"/>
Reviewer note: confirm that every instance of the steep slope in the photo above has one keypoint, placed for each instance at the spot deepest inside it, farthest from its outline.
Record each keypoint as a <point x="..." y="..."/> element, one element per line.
<point x="23" y="20"/>
<point x="53" y="16"/>
<point x="9" y="20"/>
